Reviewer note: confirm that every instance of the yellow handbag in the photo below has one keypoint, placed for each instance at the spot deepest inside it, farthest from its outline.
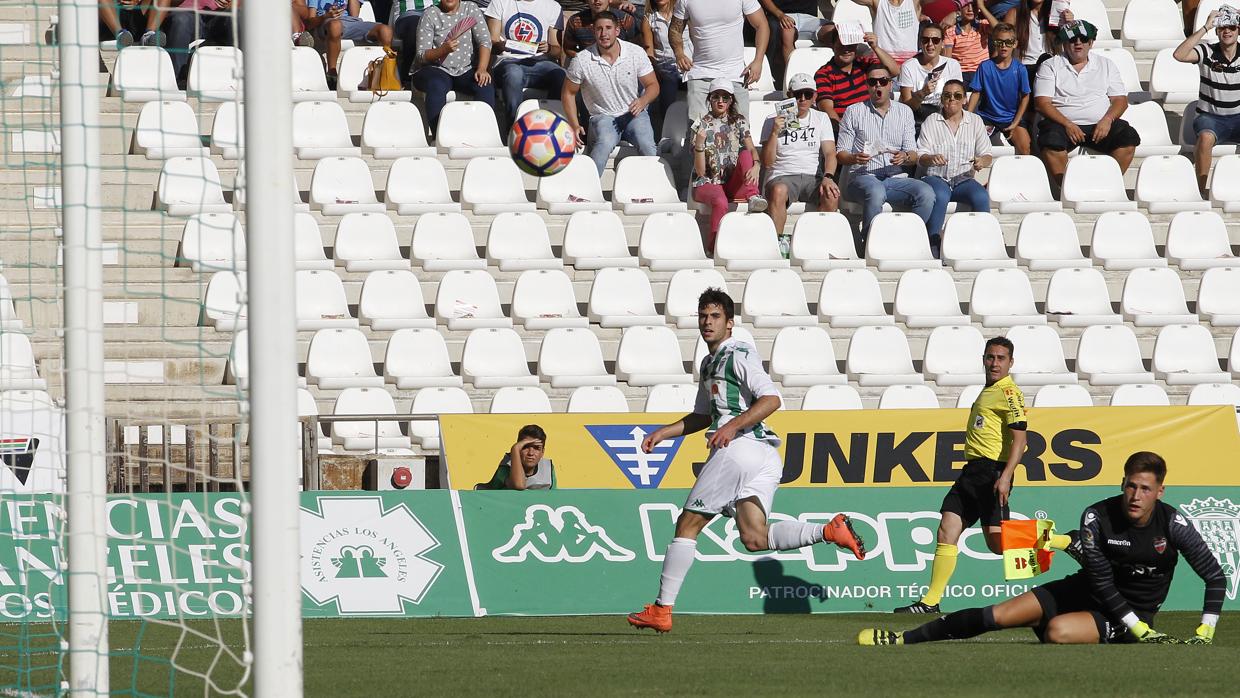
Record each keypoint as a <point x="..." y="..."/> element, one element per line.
<point x="381" y="74"/>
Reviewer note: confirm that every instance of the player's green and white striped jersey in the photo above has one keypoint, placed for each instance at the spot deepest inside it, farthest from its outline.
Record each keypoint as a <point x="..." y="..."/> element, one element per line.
<point x="731" y="379"/>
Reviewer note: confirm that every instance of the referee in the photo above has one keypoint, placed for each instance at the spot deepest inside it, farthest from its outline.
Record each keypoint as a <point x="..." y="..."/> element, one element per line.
<point x="994" y="443"/>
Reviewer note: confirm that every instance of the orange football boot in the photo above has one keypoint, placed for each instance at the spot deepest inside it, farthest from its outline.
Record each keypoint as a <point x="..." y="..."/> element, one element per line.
<point x="840" y="531"/>
<point x="653" y="616"/>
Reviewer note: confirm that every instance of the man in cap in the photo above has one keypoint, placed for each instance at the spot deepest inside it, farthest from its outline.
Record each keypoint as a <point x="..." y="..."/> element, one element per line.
<point x="1218" y="102"/>
<point x="1080" y="98"/>
<point x="790" y="154"/>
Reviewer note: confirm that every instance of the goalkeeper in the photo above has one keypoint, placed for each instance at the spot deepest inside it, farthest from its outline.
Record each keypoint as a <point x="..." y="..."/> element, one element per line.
<point x="1131" y="543"/>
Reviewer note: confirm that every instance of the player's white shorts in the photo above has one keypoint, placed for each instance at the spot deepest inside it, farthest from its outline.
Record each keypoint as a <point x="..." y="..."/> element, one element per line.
<point x="746" y="468"/>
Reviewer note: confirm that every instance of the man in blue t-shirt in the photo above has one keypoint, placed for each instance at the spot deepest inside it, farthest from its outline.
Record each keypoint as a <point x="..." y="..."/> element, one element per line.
<point x="1001" y="91"/>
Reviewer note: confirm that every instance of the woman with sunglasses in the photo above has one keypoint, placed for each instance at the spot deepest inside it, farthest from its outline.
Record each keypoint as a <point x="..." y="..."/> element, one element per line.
<point x="725" y="161"/>
<point x="922" y="79"/>
<point x="952" y="148"/>
<point x="968" y="38"/>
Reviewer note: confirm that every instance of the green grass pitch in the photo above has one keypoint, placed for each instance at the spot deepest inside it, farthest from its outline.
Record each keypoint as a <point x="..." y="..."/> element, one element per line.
<point x="772" y="655"/>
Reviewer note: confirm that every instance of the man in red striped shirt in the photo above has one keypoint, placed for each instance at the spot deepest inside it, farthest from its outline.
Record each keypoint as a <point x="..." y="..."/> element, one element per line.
<point x="841" y="81"/>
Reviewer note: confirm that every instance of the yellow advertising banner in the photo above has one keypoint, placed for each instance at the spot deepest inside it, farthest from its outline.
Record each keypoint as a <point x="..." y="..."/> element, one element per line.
<point x="862" y="448"/>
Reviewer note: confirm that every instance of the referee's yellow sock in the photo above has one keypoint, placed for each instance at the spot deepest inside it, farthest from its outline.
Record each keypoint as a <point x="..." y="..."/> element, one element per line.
<point x="1060" y="541"/>
<point x="940" y="572"/>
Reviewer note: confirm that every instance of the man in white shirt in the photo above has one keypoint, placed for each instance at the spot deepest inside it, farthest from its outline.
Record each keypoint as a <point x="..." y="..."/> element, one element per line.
<point x="790" y="153"/>
<point x="952" y="148"/>
<point x="716" y="29"/>
<point x="1080" y="98"/>
<point x="610" y="74"/>
<point x="922" y="78"/>
<point x="525" y="35"/>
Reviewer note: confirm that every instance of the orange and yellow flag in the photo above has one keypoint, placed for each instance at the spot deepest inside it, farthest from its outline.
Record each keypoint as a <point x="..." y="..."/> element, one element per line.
<point x="1026" y="551"/>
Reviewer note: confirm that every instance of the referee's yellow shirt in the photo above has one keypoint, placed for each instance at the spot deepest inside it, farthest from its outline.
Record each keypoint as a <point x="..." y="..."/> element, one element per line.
<point x="998" y="406"/>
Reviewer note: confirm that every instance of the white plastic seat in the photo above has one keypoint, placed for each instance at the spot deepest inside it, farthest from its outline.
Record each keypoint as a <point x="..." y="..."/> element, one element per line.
<point x="1123" y="240"/>
<point x="1048" y="241"/>
<point x="1095" y="12"/>
<point x="1154" y="297"/>
<point x="747" y="241"/>
<point x="880" y="356"/>
<point x="675" y="128"/>
<point x="1064" y="395"/>
<point x="343" y="185"/>
<point x="391" y="299"/>
<point x="1218" y="297"/>
<point x="469" y="130"/>
<point x="367" y="242"/>
<point x="1185" y="355"/>
<point x="494" y="357"/>
<point x="353" y="64"/>
<point x="222" y="305"/>
<point x="1151" y="25"/>
<point x="1215" y="394"/>
<point x="596" y="239"/>
<point x="309" y="79"/>
<point x="320" y="130"/>
<point x="144" y="74"/>
<point x="974" y="241"/>
<point x="228" y="131"/>
<point x="519" y="241"/>
<point x="1127" y="66"/>
<point x="8" y="314"/>
<point x="1109" y="355"/>
<point x="436" y="400"/>
<point x="417" y="358"/>
<point x="494" y="185"/>
<point x="968" y="395"/>
<point x="417" y="185"/>
<point x="340" y="358"/>
<point x="676" y="398"/>
<point x="321" y="302"/>
<point x="897" y="242"/>
<point x="366" y="435"/>
<point x="1139" y="395"/>
<point x="908" y="397"/>
<point x="852" y="298"/>
<point x="823" y="240"/>
<point x="954" y="355"/>
<point x="622" y="297"/>
<point x="394" y="130"/>
<point x="571" y="357"/>
<point x="700" y="350"/>
<point x="1037" y="356"/>
<point x="759" y="111"/>
<point x="804" y="60"/>
<point x="189" y="185"/>
<point x="239" y="191"/>
<point x="215" y="74"/>
<point x="1018" y="184"/>
<point x="650" y="355"/>
<point x="1093" y="183"/>
<point x="683" y="291"/>
<point x="237" y="370"/>
<point x="804" y="356"/>
<point x="1233" y="356"/>
<point x="575" y="188"/>
<point x="775" y="298"/>
<point x="597" y="399"/>
<point x="212" y="242"/>
<point x="1150" y="122"/>
<point x="533" y="104"/>
<point x="307" y="407"/>
<point x="671" y="241"/>
<point x="764" y="86"/>
<point x="1168" y="184"/>
<point x="18" y="369"/>
<point x="1225" y="183"/>
<point x="927" y="298"/>
<point x="832" y="397"/>
<point x="1079" y="297"/>
<point x="468" y="299"/>
<point x="166" y="130"/>
<point x="1003" y="298"/>
<point x="308" y="243"/>
<point x="543" y="299"/>
<point x="645" y="177"/>
<point x="443" y="242"/>
<point x="1199" y="240"/>
<point x="520" y="399"/>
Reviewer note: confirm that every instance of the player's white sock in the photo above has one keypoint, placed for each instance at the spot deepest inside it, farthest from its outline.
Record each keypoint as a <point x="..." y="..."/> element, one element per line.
<point x="676" y="564"/>
<point x="790" y="535"/>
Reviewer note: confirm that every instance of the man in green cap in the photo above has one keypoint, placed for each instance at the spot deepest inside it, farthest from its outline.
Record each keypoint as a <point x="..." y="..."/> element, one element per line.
<point x="1080" y="98"/>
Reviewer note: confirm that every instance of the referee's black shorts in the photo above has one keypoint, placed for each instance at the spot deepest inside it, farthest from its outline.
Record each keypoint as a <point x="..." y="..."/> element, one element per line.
<point x="1073" y="594"/>
<point x="972" y="497"/>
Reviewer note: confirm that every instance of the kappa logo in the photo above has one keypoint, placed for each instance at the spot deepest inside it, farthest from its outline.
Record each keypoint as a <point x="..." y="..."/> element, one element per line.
<point x="560" y="534"/>
<point x="365" y="559"/>
<point x="623" y="444"/>
<point x="1218" y="522"/>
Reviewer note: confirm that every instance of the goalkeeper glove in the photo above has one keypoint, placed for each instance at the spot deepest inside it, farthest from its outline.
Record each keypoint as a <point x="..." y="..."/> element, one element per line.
<point x="1144" y="633"/>
<point x="1204" y="636"/>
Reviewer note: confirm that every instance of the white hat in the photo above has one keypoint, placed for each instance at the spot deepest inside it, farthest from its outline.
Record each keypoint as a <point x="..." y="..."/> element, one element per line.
<point x="721" y="85"/>
<point x="800" y="81"/>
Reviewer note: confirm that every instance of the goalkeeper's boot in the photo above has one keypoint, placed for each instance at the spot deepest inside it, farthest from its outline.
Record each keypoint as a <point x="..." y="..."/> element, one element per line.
<point x="653" y="616"/>
<point x="840" y="531"/>
<point x="919" y="607"/>
<point x="873" y="637"/>
<point x="1075" y="549"/>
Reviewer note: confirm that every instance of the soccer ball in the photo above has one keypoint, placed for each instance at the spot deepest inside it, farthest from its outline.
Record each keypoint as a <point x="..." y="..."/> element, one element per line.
<point x="541" y="142"/>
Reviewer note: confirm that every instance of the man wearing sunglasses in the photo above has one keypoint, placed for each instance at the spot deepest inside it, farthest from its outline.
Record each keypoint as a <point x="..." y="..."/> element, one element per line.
<point x="1218" y="102"/>
<point x="841" y="81"/>
<point x="922" y="79"/>
<point x="790" y="154"/>
<point x="1081" y="98"/>
<point x="876" y="143"/>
